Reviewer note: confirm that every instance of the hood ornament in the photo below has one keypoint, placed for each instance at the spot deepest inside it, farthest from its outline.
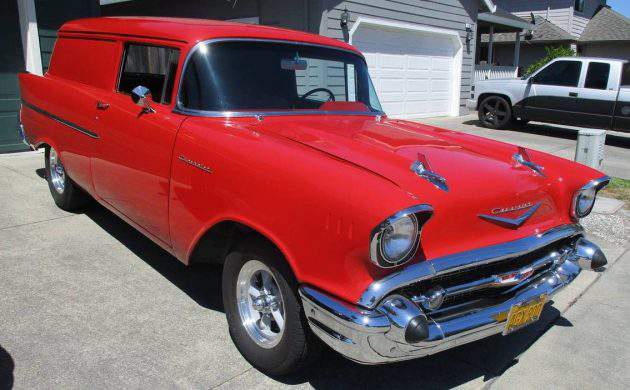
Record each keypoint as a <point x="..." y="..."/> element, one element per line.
<point x="522" y="159"/>
<point x="512" y="223"/>
<point x="422" y="168"/>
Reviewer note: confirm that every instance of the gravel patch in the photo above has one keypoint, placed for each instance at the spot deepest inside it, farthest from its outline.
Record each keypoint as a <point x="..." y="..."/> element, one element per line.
<point x="614" y="228"/>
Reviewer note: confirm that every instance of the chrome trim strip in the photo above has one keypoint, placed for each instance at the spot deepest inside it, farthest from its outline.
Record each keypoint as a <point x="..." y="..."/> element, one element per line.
<point x="598" y="184"/>
<point x="179" y="109"/>
<point x="427" y="269"/>
<point x="54" y="117"/>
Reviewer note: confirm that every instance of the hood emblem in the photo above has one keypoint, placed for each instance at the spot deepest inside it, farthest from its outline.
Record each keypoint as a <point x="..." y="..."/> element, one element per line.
<point x="522" y="159"/>
<point x="512" y="278"/>
<point x="422" y="168"/>
<point x="512" y="223"/>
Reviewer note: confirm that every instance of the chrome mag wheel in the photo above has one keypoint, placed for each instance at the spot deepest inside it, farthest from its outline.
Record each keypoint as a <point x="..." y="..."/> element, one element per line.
<point x="56" y="172"/>
<point x="260" y="304"/>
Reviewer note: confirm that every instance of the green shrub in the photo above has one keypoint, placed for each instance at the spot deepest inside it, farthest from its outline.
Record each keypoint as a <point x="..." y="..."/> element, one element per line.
<point x="552" y="53"/>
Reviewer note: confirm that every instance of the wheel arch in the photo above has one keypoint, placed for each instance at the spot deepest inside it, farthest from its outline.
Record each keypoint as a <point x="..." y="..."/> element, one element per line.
<point x="219" y="239"/>
<point x="485" y="95"/>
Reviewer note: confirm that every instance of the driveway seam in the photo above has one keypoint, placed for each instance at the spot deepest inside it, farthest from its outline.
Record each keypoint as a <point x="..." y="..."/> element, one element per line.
<point x="229" y="379"/>
<point x="36" y="222"/>
<point x="20" y="173"/>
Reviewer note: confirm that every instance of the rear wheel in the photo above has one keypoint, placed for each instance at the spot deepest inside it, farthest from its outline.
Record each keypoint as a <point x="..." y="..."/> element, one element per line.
<point x="66" y="194"/>
<point x="495" y="112"/>
<point x="264" y="313"/>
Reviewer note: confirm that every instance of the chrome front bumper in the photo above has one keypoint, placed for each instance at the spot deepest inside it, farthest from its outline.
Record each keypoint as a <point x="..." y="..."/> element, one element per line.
<point x="381" y="334"/>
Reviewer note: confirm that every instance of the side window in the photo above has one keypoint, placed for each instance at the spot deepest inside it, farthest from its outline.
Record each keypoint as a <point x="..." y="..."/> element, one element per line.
<point x="625" y="75"/>
<point x="579" y="5"/>
<point x="152" y="67"/>
<point x="597" y="75"/>
<point x="560" y="73"/>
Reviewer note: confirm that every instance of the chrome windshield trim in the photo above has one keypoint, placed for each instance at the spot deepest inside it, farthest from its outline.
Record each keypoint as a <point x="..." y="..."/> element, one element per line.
<point x="180" y="109"/>
<point x="413" y="273"/>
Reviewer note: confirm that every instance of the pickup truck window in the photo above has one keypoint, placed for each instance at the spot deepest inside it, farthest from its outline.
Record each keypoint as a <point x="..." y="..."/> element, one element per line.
<point x="560" y="73"/>
<point x="625" y="75"/>
<point x="153" y="67"/>
<point x="597" y="75"/>
<point x="255" y="76"/>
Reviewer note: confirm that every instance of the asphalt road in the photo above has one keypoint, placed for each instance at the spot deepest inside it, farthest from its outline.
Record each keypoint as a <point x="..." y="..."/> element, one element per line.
<point x="88" y="302"/>
<point x="557" y="140"/>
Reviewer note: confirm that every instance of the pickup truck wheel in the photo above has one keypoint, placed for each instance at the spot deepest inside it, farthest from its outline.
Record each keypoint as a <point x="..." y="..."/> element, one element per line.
<point x="264" y="314"/>
<point x="66" y="194"/>
<point x="495" y="112"/>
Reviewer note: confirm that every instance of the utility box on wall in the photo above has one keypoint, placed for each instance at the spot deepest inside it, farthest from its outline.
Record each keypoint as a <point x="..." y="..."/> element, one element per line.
<point x="590" y="147"/>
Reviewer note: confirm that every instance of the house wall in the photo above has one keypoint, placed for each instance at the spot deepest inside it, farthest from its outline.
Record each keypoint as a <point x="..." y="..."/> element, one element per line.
<point x="558" y="12"/>
<point x="445" y="14"/>
<point x="619" y="50"/>
<point x="504" y="55"/>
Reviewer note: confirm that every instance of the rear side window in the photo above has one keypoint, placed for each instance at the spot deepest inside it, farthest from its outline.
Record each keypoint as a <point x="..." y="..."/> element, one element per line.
<point x="625" y="75"/>
<point x="87" y="61"/>
<point x="597" y="75"/>
<point x="560" y="73"/>
<point x="152" y="67"/>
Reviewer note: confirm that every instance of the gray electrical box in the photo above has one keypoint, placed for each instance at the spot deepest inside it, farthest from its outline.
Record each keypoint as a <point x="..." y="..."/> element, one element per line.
<point x="590" y="147"/>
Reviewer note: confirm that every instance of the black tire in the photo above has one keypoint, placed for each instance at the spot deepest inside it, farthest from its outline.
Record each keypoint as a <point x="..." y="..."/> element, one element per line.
<point x="297" y="346"/>
<point x="495" y="112"/>
<point x="67" y="196"/>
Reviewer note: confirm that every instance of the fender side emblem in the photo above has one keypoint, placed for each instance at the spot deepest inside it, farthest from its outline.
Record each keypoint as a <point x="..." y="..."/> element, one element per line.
<point x="194" y="163"/>
<point x="512" y="223"/>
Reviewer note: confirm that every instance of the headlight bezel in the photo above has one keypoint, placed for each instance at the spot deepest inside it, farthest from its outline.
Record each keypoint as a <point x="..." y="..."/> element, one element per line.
<point x="420" y="214"/>
<point x="593" y="187"/>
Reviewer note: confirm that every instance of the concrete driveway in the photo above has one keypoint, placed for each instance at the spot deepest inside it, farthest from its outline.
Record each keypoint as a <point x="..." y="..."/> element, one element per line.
<point x="558" y="140"/>
<point x="88" y="302"/>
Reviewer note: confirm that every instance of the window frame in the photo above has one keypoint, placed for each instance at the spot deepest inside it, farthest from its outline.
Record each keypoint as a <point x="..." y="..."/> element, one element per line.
<point x="579" y="77"/>
<point x="181" y="109"/>
<point x="167" y="75"/>
<point x="588" y="68"/>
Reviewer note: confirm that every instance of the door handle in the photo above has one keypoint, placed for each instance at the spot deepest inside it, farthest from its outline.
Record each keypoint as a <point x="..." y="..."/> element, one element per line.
<point x="102" y="105"/>
<point x="573" y="94"/>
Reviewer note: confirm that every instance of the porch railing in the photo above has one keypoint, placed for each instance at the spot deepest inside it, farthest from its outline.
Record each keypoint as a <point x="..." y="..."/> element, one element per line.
<point x="485" y="72"/>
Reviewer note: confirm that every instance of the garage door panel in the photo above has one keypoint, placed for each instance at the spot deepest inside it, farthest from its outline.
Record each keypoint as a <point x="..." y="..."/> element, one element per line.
<point x="411" y="70"/>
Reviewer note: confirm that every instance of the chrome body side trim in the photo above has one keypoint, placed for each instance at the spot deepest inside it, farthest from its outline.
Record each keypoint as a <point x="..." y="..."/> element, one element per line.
<point x="597" y="184"/>
<point x="427" y="269"/>
<point x="64" y="122"/>
<point x="180" y="109"/>
<point x="374" y="336"/>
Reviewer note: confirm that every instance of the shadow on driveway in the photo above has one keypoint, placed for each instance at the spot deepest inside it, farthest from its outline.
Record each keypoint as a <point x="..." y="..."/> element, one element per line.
<point x="6" y="370"/>
<point x="557" y="132"/>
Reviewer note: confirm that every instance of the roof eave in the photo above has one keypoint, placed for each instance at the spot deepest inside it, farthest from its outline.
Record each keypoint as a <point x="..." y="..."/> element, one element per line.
<point x="496" y="19"/>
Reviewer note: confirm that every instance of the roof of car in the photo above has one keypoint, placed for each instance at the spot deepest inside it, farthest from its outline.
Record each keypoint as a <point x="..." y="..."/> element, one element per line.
<point x="190" y="30"/>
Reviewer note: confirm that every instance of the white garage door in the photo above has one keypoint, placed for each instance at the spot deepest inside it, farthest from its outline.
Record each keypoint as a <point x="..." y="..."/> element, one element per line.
<point x="412" y="71"/>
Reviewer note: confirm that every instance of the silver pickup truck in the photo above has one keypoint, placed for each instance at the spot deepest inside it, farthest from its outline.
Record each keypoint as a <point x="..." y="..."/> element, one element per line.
<point x="577" y="91"/>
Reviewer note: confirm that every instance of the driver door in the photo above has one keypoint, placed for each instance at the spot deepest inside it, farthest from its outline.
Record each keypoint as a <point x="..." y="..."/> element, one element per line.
<point x="131" y="167"/>
<point x="551" y="95"/>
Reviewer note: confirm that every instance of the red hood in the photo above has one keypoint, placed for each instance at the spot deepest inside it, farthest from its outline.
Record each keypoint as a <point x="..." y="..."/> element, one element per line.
<point x="480" y="173"/>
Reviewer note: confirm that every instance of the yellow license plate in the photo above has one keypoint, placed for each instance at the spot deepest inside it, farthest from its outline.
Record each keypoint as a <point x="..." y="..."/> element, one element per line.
<point x="523" y="314"/>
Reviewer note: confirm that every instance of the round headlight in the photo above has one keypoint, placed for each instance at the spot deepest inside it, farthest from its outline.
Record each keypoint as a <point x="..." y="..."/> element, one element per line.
<point x="584" y="202"/>
<point x="399" y="238"/>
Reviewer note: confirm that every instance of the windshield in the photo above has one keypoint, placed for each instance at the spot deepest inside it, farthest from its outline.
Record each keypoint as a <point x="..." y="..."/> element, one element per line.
<point x="275" y="76"/>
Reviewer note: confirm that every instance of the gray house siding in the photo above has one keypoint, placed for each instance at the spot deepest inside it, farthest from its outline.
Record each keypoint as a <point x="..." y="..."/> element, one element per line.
<point x="445" y="14"/>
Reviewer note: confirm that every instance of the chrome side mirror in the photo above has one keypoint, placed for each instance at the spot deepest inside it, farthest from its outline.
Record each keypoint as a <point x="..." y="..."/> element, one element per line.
<point x="141" y="96"/>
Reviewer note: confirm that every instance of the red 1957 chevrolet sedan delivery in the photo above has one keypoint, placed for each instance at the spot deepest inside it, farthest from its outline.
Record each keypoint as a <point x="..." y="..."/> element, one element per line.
<point x="266" y="150"/>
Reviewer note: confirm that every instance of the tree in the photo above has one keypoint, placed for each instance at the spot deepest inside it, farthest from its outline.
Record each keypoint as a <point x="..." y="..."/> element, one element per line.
<point x="552" y="53"/>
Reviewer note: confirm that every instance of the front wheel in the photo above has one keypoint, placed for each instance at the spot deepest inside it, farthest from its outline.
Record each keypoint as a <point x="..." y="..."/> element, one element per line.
<point x="263" y="310"/>
<point x="495" y="112"/>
